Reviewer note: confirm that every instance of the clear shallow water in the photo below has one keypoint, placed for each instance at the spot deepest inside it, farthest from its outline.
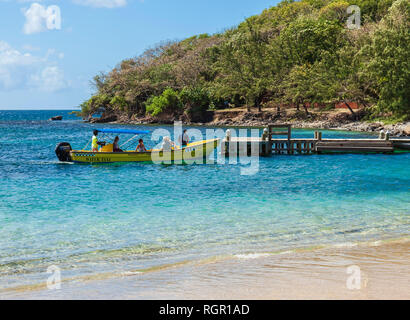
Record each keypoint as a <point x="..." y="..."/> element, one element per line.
<point x="117" y="218"/>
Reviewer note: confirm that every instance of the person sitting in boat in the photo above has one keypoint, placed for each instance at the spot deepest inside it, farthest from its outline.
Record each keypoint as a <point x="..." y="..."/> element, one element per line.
<point x="116" y="147"/>
<point x="167" y="144"/>
<point x="184" y="139"/>
<point x="95" y="143"/>
<point x="141" y="146"/>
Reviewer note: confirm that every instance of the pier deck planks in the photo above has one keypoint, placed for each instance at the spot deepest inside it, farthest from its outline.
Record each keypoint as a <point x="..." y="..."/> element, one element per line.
<point x="291" y="146"/>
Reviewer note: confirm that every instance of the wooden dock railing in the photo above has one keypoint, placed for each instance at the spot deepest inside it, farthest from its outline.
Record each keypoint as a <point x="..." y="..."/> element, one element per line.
<point x="288" y="146"/>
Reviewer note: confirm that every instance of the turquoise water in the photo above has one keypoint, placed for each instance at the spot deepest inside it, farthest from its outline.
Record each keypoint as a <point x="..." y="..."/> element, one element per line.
<point x="117" y="218"/>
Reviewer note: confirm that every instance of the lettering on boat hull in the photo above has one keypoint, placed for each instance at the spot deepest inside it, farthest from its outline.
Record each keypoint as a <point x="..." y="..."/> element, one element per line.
<point x="100" y="160"/>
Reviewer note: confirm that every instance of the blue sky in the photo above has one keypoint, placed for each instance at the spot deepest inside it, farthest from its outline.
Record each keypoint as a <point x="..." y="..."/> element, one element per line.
<point x="47" y="64"/>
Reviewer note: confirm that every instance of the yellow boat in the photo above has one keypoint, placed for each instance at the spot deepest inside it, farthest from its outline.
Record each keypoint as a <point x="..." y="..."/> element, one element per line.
<point x="195" y="152"/>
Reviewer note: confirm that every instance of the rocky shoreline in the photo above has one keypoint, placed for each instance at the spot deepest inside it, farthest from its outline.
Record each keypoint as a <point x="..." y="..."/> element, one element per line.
<point x="398" y="130"/>
<point x="244" y="119"/>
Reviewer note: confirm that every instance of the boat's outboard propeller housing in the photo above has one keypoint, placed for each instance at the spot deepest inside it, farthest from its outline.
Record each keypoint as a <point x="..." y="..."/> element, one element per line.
<point x="63" y="151"/>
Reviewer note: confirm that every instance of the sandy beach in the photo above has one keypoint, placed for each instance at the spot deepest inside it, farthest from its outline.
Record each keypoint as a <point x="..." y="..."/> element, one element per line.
<point x="320" y="273"/>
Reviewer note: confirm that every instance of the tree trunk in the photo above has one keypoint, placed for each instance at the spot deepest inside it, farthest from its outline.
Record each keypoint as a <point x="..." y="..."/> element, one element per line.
<point x="306" y="109"/>
<point x="351" y="110"/>
<point x="258" y="105"/>
<point x="142" y="110"/>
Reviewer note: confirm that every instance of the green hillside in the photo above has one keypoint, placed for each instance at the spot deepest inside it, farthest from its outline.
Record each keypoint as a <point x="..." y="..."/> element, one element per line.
<point x="297" y="53"/>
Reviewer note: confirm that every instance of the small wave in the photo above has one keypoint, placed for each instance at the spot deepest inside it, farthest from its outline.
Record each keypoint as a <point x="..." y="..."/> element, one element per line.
<point x="35" y="265"/>
<point x="42" y="163"/>
<point x="348" y="232"/>
<point x="287" y="252"/>
<point x="346" y="245"/>
<point x="252" y="256"/>
<point x="34" y="163"/>
<point x="130" y="273"/>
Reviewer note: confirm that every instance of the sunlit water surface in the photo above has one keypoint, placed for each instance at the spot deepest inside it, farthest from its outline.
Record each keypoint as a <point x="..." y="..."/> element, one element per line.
<point x="94" y="219"/>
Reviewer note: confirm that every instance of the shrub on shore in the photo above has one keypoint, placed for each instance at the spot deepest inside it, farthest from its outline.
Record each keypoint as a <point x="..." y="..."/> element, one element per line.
<point x="297" y="53"/>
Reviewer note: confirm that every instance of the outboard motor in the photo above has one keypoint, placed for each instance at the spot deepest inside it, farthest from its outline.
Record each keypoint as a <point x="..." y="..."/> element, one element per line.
<point x="63" y="152"/>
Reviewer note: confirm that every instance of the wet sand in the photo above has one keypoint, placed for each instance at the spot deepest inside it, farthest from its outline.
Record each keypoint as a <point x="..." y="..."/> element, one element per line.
<point x="305" y="274"/>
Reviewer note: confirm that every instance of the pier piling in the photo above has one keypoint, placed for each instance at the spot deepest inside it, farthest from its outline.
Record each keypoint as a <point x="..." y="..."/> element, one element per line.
<point x="289" y="146"/>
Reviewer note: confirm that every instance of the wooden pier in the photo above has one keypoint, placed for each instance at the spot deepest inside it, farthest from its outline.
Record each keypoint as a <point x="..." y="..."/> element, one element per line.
<point x="269" y="145"/>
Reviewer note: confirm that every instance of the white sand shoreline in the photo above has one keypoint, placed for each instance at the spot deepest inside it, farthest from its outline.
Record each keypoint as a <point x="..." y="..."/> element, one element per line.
<point x="317" y="274"/>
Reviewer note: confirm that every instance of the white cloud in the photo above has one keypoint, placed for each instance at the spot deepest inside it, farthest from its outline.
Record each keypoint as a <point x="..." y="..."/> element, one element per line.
<point x="14" y="66"/>
<point x="102" y="3"/>
<point x="50" y="79"/>
<point x="29" y="47"/>
<point x="35" y="19"/>
<point x="24" y="71"/>
<point x="40" y="18"/>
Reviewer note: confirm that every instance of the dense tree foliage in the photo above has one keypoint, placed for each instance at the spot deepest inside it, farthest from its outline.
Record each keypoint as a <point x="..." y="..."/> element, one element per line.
<point x="297" y="53"/>
<point x="388" y="64"/>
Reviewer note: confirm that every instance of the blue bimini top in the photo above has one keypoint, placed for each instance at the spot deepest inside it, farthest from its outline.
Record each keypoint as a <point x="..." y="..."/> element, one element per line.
<point x="123" y="131"/>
